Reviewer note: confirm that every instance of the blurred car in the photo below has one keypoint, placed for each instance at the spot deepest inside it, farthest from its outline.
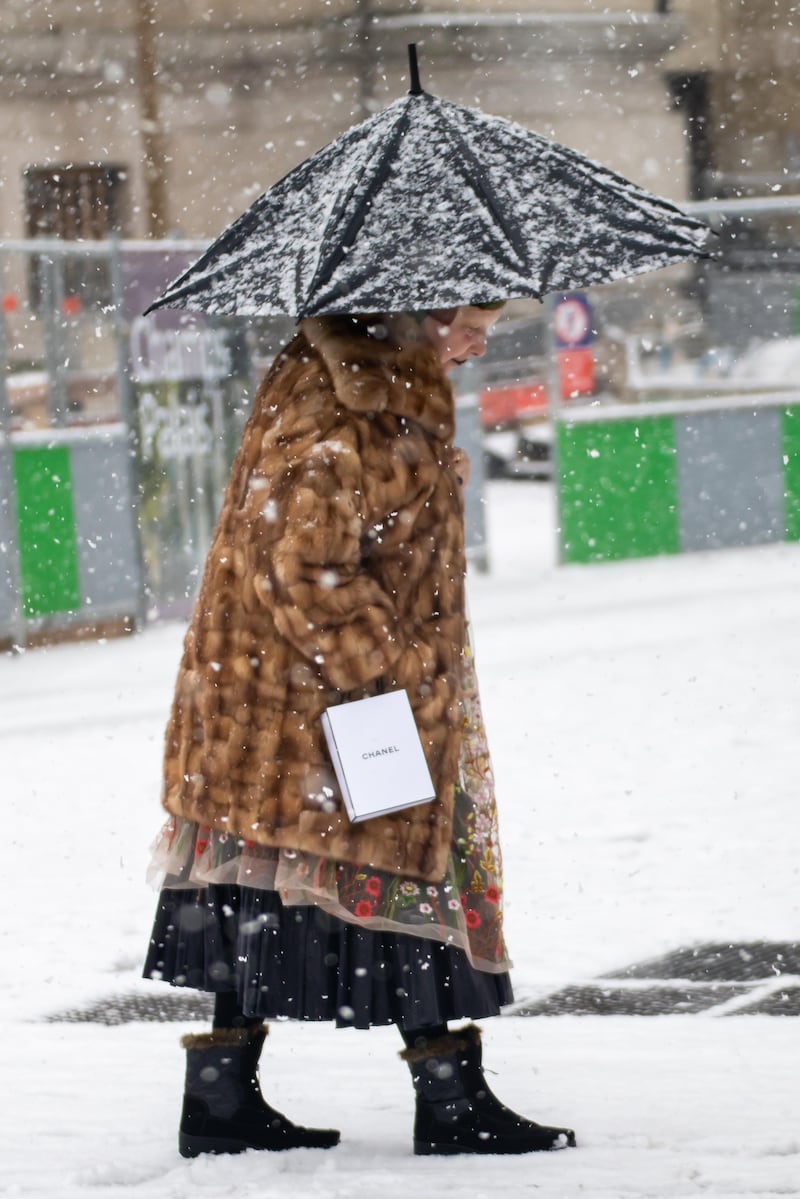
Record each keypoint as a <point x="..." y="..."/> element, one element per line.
<point x="517" y="434"/>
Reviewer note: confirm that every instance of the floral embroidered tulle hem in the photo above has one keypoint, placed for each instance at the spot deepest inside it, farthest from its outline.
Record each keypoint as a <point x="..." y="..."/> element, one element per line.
<point x="465" y="910"/>
<point x="189" y="856"/>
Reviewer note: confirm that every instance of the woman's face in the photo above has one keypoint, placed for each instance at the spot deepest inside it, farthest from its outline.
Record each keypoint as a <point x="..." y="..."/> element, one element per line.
<point x="460" y="337"/>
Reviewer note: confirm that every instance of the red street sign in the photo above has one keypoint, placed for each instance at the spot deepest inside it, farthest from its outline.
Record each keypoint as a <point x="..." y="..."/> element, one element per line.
<point x="576" y="372"/>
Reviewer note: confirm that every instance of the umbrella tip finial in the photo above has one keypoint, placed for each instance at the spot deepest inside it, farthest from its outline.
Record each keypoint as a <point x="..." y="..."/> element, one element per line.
<point x="413" y="70"/>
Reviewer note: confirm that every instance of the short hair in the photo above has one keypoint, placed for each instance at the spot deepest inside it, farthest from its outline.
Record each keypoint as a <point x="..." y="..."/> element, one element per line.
<point x="446" y="315"/>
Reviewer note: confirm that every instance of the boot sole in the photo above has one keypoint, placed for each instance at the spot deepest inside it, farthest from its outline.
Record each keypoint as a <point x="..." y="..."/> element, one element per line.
<point x="442" y="1149"/>
<point x="189" y="1146"/>
<point x="195" y="1146"/>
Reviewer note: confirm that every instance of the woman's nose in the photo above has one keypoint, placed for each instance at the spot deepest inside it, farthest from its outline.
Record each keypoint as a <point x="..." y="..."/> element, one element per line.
<point x="478" y="347"/>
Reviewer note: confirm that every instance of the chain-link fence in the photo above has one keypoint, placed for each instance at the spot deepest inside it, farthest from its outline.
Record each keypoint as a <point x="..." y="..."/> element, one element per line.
<point x="117" y="431"/>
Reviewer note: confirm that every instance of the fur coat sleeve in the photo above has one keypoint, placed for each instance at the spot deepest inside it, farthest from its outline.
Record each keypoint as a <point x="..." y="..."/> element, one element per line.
<point x="326" y="602"/>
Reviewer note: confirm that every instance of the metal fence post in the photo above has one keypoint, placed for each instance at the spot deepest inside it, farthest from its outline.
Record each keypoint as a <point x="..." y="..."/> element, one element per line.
<point x="556" y="412"/>
<point x="51" y="289"/>
<point x="470" y="439"/>
<point x="8" y="497"/>
<point x="130" y="418"/>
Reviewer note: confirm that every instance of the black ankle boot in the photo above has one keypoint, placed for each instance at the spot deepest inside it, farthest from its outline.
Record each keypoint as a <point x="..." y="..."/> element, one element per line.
<point x="223" y="1108"/>
<point x="456" y="1111"/>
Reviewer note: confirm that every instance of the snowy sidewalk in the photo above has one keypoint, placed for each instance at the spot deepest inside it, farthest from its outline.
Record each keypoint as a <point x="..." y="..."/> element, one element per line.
<point x="644" y="724"/>
<point x="673" y="1107"/>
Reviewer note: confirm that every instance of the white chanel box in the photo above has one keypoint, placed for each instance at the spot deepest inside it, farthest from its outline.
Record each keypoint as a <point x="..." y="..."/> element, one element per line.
<point x="377" y="755"/>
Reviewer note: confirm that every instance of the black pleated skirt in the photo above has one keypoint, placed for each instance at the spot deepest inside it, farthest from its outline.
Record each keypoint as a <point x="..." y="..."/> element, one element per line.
<point x="301" y="963"/>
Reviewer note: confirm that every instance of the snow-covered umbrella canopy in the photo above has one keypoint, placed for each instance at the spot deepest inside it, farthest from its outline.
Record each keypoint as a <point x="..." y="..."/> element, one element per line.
<point x="430" y="204"/>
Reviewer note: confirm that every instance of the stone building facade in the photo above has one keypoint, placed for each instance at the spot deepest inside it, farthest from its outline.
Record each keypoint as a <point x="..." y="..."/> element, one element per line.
<point x="241" y="90"/>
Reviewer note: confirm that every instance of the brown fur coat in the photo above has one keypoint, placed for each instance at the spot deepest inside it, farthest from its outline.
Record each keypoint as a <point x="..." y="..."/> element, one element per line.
<point x="336" y="571"/>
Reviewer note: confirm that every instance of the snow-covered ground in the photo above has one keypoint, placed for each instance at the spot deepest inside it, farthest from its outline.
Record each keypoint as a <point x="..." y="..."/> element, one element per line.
<point x="643" y="718"/>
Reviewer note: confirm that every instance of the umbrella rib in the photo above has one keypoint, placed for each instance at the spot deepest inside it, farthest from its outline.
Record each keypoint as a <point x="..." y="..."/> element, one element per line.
<point x="603" y="178"/>
<point x="478" y="179"/>
<point x="228" y="242"/>
<point x="327" y="266"/>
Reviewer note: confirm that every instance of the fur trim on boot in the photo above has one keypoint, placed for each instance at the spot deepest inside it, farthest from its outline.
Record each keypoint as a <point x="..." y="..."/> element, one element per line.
<point x="456" y="1112"/>
<point x="461" y="1039"/>
<point x="223" y="1108"/>
<point x="224" y="1036"/>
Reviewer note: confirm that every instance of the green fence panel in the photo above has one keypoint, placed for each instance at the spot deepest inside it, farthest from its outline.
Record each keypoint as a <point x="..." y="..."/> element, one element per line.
<point x="618" y="489"/>
<point x="48" y="554"/>
<point x="791" y="471"/>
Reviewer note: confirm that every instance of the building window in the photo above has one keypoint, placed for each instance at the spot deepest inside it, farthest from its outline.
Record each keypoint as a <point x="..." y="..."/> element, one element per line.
<point x="692" y="95"/>
<point x="77" y="203"/>
<point x="74" y="201"/>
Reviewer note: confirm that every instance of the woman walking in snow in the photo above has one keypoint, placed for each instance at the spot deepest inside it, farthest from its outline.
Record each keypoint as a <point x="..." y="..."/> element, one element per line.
<point x="336" y="573"/>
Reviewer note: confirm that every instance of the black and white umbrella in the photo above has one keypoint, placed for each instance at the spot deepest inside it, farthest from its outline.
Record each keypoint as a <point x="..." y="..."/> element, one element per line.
<point x="430" y="204"/>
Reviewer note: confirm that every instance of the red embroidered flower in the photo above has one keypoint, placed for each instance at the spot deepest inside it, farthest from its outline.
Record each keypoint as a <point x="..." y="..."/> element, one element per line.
<point x="492" y="895"/>
<point x="363" y="908"/>
<point x="473" y="919"/>
<point x="200" y="848"/>
<point x="373" y="886"/>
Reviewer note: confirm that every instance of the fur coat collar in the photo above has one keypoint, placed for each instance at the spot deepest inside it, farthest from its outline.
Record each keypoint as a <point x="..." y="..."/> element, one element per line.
<point x="384" y="365"/>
